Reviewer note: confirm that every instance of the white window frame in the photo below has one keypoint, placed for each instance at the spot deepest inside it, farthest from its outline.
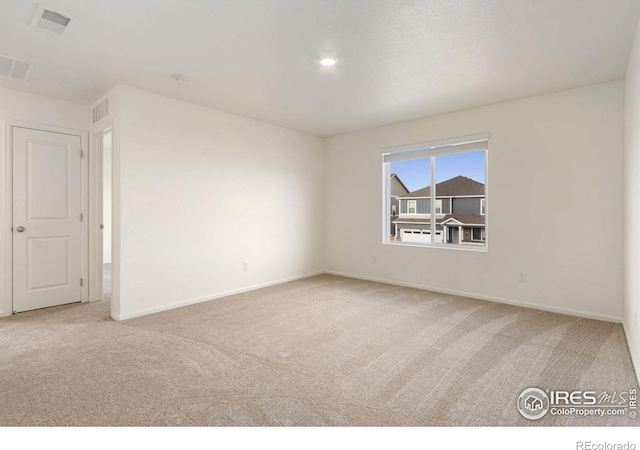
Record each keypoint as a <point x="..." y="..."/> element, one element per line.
<point x="415" y="206"/>
<point x="482" y="206"/>
<point x="481" y="234"/>
<point x="438" y="206"/>
<point x="465" y="144"/>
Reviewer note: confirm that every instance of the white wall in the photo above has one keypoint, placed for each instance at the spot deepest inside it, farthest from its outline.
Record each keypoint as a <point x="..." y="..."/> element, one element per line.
<point x="106" y="199"/>
<point x="632" y="203"/>
<point x="202" y="191"/>
<point x="555" y="204"/>
<point x="15" y="105"/>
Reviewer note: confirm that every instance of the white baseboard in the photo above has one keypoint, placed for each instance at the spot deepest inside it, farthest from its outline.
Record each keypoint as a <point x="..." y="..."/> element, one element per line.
<point x="542" y="307"/>
<point x="193" y="301"/>
<point x="549" y="308"/>
<point x="633" y="350"/>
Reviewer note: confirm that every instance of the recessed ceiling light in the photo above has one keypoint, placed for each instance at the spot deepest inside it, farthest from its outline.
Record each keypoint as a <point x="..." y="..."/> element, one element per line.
<point x="328" y="62"/>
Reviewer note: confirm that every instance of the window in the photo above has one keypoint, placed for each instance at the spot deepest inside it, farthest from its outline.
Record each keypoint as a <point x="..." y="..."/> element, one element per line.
<point x="445" y="196"/>
<point x="394" y="211"/>
<point x="477" y="234"/>
<point x="439" y="206"/>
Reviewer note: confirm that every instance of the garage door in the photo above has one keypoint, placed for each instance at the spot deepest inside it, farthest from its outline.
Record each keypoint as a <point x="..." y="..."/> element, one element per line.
<point x="423" y="236"/>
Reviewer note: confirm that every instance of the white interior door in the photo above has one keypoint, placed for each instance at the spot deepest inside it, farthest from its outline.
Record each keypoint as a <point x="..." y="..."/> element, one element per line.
<point x="47" y="227"/>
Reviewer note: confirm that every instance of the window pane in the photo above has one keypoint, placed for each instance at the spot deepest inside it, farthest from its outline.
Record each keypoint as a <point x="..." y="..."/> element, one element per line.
<point x="460" y="184"/>
<point x="409" y="186"/>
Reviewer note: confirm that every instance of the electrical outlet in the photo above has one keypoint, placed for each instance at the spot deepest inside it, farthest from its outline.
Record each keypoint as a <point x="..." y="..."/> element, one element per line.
<point x="374" y="258"/>
<point x="246" y="265"/>
<point x="522" y="276"/>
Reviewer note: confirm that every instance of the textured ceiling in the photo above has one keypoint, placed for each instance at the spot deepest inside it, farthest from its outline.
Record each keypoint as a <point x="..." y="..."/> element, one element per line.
<point x="398" y="60"/>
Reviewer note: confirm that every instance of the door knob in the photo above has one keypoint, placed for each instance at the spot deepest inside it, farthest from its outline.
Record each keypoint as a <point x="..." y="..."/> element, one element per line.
<point x="20" y="229"/>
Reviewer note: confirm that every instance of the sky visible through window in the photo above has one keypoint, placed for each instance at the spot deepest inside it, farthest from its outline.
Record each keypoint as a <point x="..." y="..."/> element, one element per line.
<point x="416" y="174"/>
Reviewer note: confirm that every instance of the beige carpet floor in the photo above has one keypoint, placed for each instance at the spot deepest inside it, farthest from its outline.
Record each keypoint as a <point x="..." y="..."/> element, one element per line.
<point x="320" y="351"/>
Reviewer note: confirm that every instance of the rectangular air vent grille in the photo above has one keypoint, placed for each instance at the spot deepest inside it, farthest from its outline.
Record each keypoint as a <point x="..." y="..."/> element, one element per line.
<point x="50" y="20"/>
<point x="101" y="110"/>
<point x="55" y="17"/>
<point x="15" y="68"/>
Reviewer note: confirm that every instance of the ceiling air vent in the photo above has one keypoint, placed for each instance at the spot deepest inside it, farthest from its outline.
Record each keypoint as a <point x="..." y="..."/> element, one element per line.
<point x="50" y="20"/>
<point x="15" y="68"/>
<point x="101" y="110"/>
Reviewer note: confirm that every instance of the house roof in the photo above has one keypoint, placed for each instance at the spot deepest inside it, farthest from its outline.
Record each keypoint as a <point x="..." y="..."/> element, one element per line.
<point x="395" y="175"/>
<point x="464" y="219"/>
<point x="453" y="187"/>
<point x="413" y="221"/>
<point x="467" y="219"/>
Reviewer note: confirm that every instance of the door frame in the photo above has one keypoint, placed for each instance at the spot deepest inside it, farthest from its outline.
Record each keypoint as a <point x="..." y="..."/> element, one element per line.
<point x="84" y="137"/>
<point x="96" y="170"/>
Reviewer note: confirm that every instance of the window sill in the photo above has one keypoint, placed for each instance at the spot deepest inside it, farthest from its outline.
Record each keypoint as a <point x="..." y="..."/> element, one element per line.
<point x="467" y="248"/>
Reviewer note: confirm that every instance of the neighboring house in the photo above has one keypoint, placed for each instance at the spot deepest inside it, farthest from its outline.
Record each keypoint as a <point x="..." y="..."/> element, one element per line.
<point x="397" y="189"/>
<point x="460" y="209"/>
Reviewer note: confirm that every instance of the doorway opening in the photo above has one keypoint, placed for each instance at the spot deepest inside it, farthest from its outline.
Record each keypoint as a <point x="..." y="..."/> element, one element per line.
<point x="101" y="215"/>
<point x="107" y="157"/>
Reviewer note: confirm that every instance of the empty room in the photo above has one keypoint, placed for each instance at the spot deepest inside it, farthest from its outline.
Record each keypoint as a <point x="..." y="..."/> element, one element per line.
<point x="319" y="213"/>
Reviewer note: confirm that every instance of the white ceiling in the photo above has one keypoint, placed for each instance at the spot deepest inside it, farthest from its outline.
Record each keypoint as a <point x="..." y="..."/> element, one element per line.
<point x="398" y="59"/>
